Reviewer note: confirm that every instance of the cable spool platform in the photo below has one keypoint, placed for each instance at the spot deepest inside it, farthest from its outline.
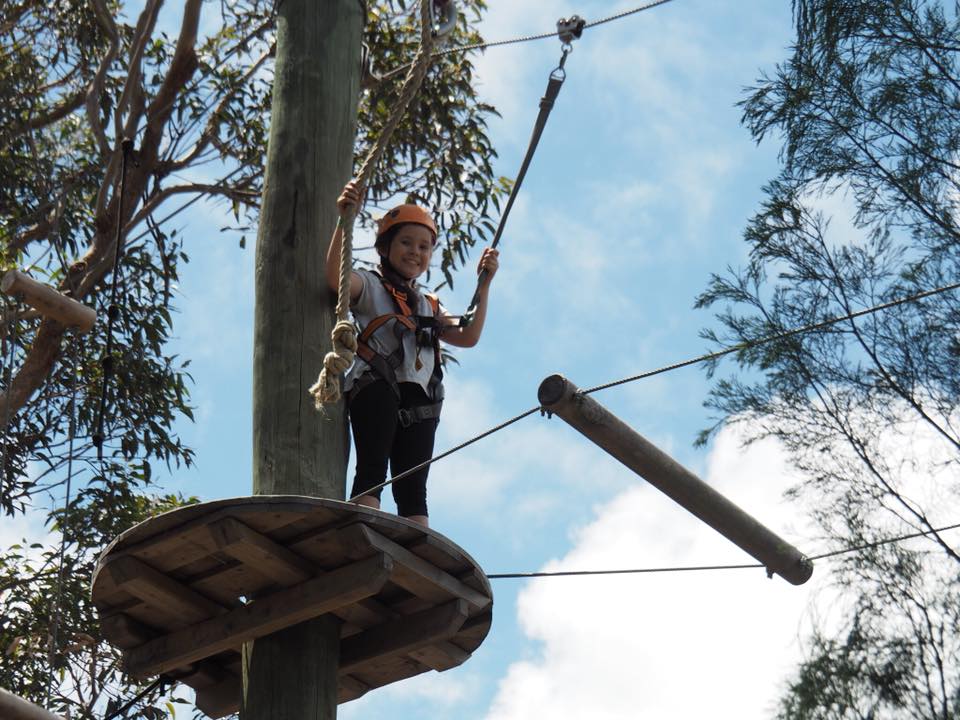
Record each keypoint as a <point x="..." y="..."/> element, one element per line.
<point x="180" y="593"/>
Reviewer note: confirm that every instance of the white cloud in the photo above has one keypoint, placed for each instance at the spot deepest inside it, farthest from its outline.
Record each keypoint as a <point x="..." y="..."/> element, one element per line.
<point x="678" y="645"/>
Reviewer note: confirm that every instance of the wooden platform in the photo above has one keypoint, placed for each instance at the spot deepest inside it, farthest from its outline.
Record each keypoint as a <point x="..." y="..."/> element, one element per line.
<point x="180" y="593"/>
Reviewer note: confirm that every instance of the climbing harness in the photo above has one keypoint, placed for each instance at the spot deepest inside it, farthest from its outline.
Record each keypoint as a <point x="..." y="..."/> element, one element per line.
<point x="568" y="30"/>
<point x="344" y="335"/>
<point x="426" y="333"/>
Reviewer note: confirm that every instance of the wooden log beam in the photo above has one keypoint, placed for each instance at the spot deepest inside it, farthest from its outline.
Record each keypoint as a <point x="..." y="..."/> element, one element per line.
<point x="558" y="395"/>
<point x="16" y="708"/>
<point x="48" y="301"/>
<point x="155" y="588"/>
<point x="222" y="699"/>
<point x="411" y="572"/>
<point x="403" y="635"/>
<point x="124" y="631"/>
<point x="440" y="655"/>
<point x="261" y="617"/>
<point x="267" y="557"/>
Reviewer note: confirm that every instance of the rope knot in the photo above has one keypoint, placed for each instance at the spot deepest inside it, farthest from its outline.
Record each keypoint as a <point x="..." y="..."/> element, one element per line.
<point x="326" y="389"/>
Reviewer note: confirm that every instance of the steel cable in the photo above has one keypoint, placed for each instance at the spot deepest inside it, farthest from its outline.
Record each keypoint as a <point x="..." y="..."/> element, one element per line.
<point x="697" y="568"/>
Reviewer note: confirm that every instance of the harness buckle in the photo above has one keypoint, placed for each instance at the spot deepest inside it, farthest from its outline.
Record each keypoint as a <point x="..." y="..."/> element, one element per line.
<point x="406" y="417"/>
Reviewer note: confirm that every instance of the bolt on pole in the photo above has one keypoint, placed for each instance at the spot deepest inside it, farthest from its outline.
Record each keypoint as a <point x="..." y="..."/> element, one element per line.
<point x="560" y="397"/>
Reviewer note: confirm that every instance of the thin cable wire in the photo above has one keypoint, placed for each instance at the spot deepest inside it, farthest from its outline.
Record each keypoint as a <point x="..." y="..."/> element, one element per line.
<point x="113" y="311"/>
<point x="160" y="681"/>
<point x="71" y="434"/>
<point x="697" y="568"/>
<point x="773" y="338"/>
<point x="667" y="368"/>
<point x="525" y="38"/>
<point x="452" y="450"/>
<point x="869" y="546"/>
<point x="10" y="338"/>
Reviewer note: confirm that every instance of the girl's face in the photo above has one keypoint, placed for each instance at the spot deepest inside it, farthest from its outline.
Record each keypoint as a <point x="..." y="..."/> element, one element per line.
<point x="410" y="250"/>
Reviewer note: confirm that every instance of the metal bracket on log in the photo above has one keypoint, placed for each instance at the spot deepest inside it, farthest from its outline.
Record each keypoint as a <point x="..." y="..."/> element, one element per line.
<point x="559" y="396"/>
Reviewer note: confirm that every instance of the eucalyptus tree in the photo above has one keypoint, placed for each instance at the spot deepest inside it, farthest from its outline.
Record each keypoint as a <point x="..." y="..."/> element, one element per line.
<point x="867" y="108"/>
<point x="114" y="118"/>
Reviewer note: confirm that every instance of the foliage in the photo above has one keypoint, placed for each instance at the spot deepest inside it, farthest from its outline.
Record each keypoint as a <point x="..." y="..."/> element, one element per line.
<point x="868" y="109"/>
<point x="76" y="78"/>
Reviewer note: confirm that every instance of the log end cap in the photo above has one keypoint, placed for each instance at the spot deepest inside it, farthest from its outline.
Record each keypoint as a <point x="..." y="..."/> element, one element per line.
<point x="553" y="389"/>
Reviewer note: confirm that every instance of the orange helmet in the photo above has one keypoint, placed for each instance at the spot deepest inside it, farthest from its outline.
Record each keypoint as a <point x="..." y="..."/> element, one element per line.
<point x="407" y="214"/>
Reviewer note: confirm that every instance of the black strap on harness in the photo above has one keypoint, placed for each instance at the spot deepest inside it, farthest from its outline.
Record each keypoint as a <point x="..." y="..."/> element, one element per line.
<point x="425" y="330"/>
<point x="567" y="30"/>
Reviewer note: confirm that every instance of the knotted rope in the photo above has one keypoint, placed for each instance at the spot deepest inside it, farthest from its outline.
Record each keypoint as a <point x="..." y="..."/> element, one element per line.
<point x="344" y="336"/>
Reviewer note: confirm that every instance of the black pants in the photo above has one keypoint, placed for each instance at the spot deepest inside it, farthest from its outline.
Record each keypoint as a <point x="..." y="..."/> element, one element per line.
<point x="379" y="437"/>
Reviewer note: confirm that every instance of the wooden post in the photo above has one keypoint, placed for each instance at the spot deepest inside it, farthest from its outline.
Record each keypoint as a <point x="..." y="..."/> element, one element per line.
<point x="48" y="301"/>
<point x="292" y="675"/>
<point x="15" y="708"/>
<point x="561" y="397"/>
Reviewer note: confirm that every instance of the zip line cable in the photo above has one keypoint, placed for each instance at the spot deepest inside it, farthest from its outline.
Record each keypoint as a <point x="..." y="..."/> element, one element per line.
<point x="675" y="366"/>
<point x="698" y="568"/>
<point x="526" y="38"/>
<point x="451" y="451"/>
<point x="749" y="344"/>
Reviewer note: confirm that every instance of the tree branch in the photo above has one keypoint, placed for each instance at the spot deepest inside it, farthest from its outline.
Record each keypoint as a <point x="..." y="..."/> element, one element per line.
<point x="97" y="85"/>
<point x="200" y="188"/>
<point x="133" y="87"/>
<point x="210" y="130"/>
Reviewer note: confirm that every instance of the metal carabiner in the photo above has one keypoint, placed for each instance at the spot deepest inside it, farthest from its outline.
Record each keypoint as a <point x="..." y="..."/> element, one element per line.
<point x="558" y="72"/>
<point x="443" y="17"/>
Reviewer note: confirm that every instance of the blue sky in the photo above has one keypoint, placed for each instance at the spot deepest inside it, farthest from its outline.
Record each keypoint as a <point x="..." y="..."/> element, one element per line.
<point x="641" y="187"/>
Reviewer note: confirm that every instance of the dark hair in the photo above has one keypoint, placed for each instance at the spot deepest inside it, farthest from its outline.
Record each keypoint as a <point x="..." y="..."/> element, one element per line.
<point x="390" y="273"/>
<point x="382" y="243"/>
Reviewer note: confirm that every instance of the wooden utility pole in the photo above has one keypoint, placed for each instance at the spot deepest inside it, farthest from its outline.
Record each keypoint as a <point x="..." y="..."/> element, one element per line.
<point x="292" y="675"/>
<point x="559" y="395"/>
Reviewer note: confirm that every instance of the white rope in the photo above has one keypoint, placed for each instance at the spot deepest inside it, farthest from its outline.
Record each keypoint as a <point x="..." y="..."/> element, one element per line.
<point x="326" y="389"/>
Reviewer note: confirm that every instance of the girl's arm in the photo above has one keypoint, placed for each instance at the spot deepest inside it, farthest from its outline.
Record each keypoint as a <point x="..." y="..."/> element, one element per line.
<point x="349" y="197"/>
<point x="470" y="335"/>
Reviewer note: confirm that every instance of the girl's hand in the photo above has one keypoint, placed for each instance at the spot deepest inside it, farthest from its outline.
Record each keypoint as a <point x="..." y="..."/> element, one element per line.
<point x="350" y="198"/>
<point x="489" y="261"/>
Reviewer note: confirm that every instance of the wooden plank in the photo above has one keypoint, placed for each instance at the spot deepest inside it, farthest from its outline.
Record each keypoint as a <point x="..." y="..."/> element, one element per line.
<point x="221" y="699"/>
<point x="201" y="675"/>
<point x="260" y="552"/>
<point x="411" y="572"/>
<point x="403" y="635"/>
<point x="351" y="688"/>
<point x="261" y="617"/>
<point x="150" y="586"/>
<point x="124" y="632"/>
<point x="440" y="656"/>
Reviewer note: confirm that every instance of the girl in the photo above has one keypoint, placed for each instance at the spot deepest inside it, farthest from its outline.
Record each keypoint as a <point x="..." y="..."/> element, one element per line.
<point x="393" y="390"/>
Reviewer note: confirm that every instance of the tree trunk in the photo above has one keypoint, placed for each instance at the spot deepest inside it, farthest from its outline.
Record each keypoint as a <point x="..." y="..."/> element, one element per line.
<point x="292" y="675"/>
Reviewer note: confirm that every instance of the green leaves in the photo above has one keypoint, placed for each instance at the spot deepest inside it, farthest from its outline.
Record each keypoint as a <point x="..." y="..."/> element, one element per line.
<point x="868" y="109"/>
